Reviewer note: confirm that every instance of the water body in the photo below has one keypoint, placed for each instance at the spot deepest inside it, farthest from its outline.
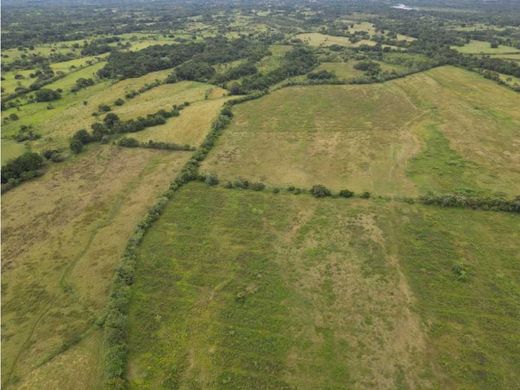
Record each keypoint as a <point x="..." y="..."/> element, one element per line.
<point x="403" y="7"/>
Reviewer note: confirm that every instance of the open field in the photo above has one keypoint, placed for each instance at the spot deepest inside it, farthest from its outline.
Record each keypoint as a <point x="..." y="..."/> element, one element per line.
<point x="433" y="131"/>
<point x="273" y="61"/>
<point x="73" y="111"/>
<point x="166" y="95"/>
<point x="189" y="128"/>
<point x="319" y="39"/>
<point x="59" y="252"/>
<point x="477" y="47"/>
<point x="239" y="289"/>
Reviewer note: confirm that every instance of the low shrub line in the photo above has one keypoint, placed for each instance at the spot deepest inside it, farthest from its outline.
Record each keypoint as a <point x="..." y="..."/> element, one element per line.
<point x="475" y="203"/>
<point x="129" y="142"/>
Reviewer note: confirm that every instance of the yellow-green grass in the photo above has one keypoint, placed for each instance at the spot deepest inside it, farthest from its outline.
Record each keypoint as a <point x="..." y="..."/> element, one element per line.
<point x="70" y="113"/>
<point x="443" y="130"/>
<point x="319" y="39"/>
<point x="72" y="65"/>
<point x="139" y="45"/>
<point x="63" y="236"/>
<point x="363" y="26"/>
<point x="67" y="82"/>
<point x="10" y="84"/>
<point x="166" y="95"/>
<point x="189" y="128"/>
<point x="241" y="289"/>
<point x="514" y="56"/>
<point x="477" y="47"/>
<point x="9" y="55"/>
<point x="12" y="149"/>
<point x="343" y="70"/>
<point x="273" y="61"/>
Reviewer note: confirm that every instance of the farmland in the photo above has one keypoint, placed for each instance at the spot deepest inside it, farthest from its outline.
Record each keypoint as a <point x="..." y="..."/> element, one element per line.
<point x="254" y="296"/>
<point x="378" y="138"/>
<point x="300" y="195"/>
<point x="57" y="264"/>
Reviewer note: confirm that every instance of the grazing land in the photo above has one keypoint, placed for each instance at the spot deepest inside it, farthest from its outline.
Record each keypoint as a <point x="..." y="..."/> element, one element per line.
<point x="283" y="291"/>
<point x="425" y="132"/>
<point x="265" y="195"/>
<point x="59" y="253"/>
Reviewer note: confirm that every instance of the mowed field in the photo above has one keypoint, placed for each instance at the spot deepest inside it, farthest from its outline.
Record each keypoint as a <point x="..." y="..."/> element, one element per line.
<point x="319" y="39"/>
<point x="63" y="236"/>
<point x="477" y="47"/>
<point x="240" y="289"/>
<point x="443" y="130"/>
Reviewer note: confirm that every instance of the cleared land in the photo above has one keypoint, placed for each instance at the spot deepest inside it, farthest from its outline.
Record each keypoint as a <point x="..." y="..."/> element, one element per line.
<point x="435" y="131"/>
<point x="166" y="95"/>
<point x="319" y="39"/>
<point x="73" y="111"/>
<point x="63" y="235"/>
<point x="239" y="289"/>
<point x="476" y="47"/>
<point x="189" y="128"/>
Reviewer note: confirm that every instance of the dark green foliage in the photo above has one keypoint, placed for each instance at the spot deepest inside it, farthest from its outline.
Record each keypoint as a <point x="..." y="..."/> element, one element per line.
<point x="78" y="140"/>
<point x="53" y="155"/>
<point x="76" y="146"/>
<point x="257" y="186"/>
<point x="128" y="142"/>
<point x="476" y="203"/>
<point x="211" y="180"/>
<point x="14" y="117"/>
<point x="460" y="272"/>
<point x="26" y="133"/>
<point x="320" y="191"/>
<point x="365" y="195"/>
<point x="82" y="83"/>
<point x="104" y="108"/>
<point x="346" y="194"/>
<point x="245" y="69"/>
<point x="46" y="95"/>
<point x="194" y="70"/>
<point x="111" y="120"/>
<point x="369" y="67"/>
<point x="21" y="168"/>
<point x="119" y="102"/>
<point x="321" y="75"/>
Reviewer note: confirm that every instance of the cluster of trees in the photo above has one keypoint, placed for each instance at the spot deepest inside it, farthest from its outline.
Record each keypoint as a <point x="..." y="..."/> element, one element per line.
<point x="20" y="169"/>
<point x="82" y="83"/>
<point x="370" y="68"/>
<point x="26" y="133"/>
<point x="113" y="125"/>
<point x="201" y="55"/>
<point x="321" y="75"/>
<point x="296" y="62"/>
<point x="47" y="95"/>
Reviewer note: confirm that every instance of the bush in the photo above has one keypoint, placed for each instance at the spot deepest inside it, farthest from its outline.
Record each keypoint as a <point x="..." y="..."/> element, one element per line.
<point x="365" y="195"/>
<point x="346" y="194"/>
<point x="22" y="167"/>
<point x="320" y="191"/>
<point x="211" y="180"/>
<point x="128" y="142"/>
<point x="241" y="183"/>
<point x="46" y="95"/>
<point x="257" y="186"/>
<point x="104" y="108"/>
<point x="75" y="146"/>
<point x="119" y="102"/>
<point x="460" y="271"/>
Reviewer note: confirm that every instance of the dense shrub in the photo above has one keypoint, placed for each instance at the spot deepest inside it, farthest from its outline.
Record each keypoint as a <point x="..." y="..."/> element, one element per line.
<point x="46" y="95"/>
<point x="128" y="142"/>
<point x="365" y="195"/>
<point x="26" y="133"/>
<point x="321" y="75"/>
<point x="320" y="191"/>
<point x="211" y="179"/>
<point x="21" y="168"/>
<point x="346" y="194"/>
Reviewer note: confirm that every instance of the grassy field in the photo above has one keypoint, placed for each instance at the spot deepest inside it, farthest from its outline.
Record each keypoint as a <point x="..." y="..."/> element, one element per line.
<point x="58" y="263"/>
<point x="343" y="70"/>
<point x="319" y="39"/>
<point x="73" y="111"/>
<point x="433" y="131"/>
<point x="273" y="61"/>
<point x="476" y="47"/>
<point x="239" y="289"/>
<point x="166" y="95"/>
<point x="189" y="128"/>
